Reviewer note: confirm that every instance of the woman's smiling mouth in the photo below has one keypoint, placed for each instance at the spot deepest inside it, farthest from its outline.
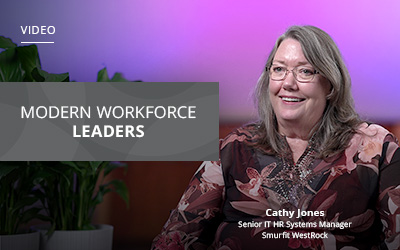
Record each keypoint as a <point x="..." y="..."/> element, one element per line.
<point x="291" y="99"/>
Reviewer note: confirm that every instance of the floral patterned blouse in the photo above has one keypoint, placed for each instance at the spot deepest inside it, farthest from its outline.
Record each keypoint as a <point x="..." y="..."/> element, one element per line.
<point x="251" y="200"/>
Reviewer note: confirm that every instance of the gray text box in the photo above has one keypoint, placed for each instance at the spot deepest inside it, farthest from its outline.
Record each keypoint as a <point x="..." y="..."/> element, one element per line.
<point x="42" y="138"/>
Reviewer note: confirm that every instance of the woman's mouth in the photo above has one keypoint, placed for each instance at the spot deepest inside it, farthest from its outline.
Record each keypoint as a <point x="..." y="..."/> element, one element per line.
<point x="292" y="99"/>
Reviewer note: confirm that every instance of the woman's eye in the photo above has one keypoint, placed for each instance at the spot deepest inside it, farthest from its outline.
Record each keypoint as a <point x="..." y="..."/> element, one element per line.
<point x="277" y="69"/>
<point x="306" y="71"/>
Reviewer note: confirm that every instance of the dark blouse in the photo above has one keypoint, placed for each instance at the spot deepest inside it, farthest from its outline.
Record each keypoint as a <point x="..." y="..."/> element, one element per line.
<point x="252" y="200"/>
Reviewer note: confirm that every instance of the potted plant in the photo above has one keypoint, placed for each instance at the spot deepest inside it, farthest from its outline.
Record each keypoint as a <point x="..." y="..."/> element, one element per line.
<point x="16" y="206"/>
<point x="69" y="192"/>
<point x="18" y="64"/>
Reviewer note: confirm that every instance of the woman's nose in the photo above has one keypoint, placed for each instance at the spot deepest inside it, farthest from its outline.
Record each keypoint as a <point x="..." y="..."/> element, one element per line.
<point x="290" y="81"/>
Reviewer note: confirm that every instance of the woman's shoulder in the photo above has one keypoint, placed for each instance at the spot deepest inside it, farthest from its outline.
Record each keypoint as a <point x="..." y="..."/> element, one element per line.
<point x="368" y="134"/>
<point x="372" y="131"/>
<point x="369" y="143"/>
<point x="245" y="134"/>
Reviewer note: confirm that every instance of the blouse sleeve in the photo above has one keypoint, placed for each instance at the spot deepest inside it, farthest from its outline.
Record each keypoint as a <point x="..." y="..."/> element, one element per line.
<point x="198" y="214"/>
<point x="389" y="191"/>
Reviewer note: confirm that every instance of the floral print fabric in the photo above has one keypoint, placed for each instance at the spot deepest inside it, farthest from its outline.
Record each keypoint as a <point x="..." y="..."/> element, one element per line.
<point x="227" y="199"/>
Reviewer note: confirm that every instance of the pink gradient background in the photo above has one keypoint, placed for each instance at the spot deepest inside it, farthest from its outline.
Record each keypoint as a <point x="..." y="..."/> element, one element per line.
<point x="211" y="40"/>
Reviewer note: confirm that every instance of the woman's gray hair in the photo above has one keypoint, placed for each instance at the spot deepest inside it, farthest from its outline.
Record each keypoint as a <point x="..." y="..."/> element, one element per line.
<point x="339" y="121"/>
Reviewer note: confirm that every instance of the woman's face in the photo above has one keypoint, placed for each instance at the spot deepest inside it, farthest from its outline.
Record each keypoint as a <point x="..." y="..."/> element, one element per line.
<point x="296" y="103"/>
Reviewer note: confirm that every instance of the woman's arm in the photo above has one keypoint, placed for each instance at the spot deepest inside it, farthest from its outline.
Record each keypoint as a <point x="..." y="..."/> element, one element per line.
<point x="389" y="193"/>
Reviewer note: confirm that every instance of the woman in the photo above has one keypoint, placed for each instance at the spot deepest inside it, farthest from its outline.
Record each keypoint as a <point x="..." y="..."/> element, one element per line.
<point x="309" y="175"/>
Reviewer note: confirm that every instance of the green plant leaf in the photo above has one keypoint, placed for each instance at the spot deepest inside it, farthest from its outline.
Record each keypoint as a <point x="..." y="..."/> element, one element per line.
<point x="29" y="58"/>
<point x="26" y="201"/>
<point x="100" y="194"/>
<point x="16" y="196"/>
<point x="88" y="227"/>
<point x="95" y="165"/>
<point x="10" y="67"/>
<point x="30" y="214"/>
<point x="78" y="167"/>
<point x="5" y="170"/>
<point x="36" y="76"/>
<point x="109" y="168"/>
<point x="114" y="165"/>
<point x="118" y="78"/>
<point x="51" y="229"/>
<point x="121" y="189"/>
<point x="70" y="163"/>
<point x="39" y="75"/>
<point x="102" y="75"/>
<point x="40" y="175"/>
<point x="57" y="170"/>
<point x="6" y="43"/>
<point x="44" y="217"/>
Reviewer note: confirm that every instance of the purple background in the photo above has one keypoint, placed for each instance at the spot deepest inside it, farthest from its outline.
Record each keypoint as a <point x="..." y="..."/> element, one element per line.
<point x="212" y="40"/>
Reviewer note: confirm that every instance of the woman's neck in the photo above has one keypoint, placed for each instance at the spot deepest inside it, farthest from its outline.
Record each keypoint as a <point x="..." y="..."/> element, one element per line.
<point x="295" y="131"/>
<point x="297" y="137"/>
<point x="298" y="146"/>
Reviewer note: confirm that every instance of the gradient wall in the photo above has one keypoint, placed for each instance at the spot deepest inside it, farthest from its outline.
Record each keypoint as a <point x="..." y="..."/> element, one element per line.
<point x="212" y="40"/>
